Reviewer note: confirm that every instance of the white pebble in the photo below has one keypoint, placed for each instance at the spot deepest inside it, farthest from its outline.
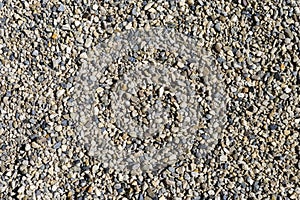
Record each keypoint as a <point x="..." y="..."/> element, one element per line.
<point x="223" y="158"/>
<point x="27" y="147"/>
<point x="58" y="128"/>
<point x="60" y="93"/>
<point x="88" y="42"/>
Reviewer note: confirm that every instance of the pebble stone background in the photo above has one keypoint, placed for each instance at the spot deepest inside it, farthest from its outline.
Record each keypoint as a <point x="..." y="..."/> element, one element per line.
<point x="42" y="45"/>
<point x="145" y="98"/>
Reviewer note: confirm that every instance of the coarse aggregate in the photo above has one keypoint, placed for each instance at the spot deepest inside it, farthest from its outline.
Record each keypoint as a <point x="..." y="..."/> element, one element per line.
<point x="256" y="46"/>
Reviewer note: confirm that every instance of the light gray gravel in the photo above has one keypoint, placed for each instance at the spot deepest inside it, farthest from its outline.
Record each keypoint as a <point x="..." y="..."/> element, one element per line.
<point x="43" y="45"/>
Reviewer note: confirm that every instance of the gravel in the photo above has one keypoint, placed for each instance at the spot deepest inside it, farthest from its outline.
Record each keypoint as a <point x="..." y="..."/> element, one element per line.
<point x="44" y="45"/>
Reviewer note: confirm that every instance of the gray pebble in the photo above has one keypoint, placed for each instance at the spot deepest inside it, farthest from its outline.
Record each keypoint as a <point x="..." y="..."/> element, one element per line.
<point x="61" y="8"/>
<point x="35" y="53"/>
<point x="57" y="145"/>
<point x="218" y="27"/>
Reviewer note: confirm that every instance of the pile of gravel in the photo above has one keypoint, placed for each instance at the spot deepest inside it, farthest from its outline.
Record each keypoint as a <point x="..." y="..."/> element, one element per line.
<point x="55" y="115"/>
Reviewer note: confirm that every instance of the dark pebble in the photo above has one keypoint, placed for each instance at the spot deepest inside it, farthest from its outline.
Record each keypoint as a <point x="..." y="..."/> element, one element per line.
<point x="120" y="190"/>
<point x="273" y="127"/>
<point x="12" y="57"/>
<point x="64" y="122"/>
<point x="277" y="76"/>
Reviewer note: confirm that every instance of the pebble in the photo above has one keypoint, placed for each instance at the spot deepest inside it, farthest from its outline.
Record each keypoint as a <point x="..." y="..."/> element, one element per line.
<point x="60" y="93"/>
<point x="27" y="147"/>
<point x="218" y="47"/>
<point x="191" y="2"/>
<point x="234" y="18"/>
<point x="95" y="7"/>
<point x="218" y="27"/>
<point x="83" y="55"/>
<point x="21" y="190"/>
<point x="148" y="6"/>
<point x="273" y="127"/>
<point x="288" y="90"/>
<point x="57" y="145"/>
<point x="223" y="158"/>
<point x="58" y="128"/>
<point x="66" y="27"/>
<point x="88" y="42"/>
<point x="77" y="23"/>
<point x="35" y="53"/>
<point x="61" y="8"/>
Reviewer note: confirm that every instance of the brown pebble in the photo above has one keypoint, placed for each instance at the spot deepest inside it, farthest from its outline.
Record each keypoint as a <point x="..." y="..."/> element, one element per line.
<point x="218" y="47"/>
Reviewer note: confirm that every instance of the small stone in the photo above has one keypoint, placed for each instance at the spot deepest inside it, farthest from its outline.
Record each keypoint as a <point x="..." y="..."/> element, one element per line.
<point x="234" y="18"/>
<point x="54" y="36"/>
<point x="61" y="8"/>
<point x="134" y="113"/>
<point x="287" y="90"/>
<point x="117" y="186"/>
<point x="133" y="134"/>
<point x="180" y="64"/>
<point x="218" y="27"/>
<point x="57" y="145"/>
<point x="97" y="192"/>
<point x="128" y="26"/>
<point x="174" y="129"/>
<point x="64" y="122"/>
<point x="99" y="90"/>
<point x="35" y="53"/>
<point x="66" y="27"/>
<point x="27" y="147"/>
<point x="63" y="147"/>
<point x="211" y="192"/>
<point x="190" y="2"/>
<point x="54" y="187"/>
<point x="21" y="190"/>
<point x="250" y="181"/>
<point x="245" y="3"/>
<point x="284" y="96"/>
<point x="289" y="33"/>
<point x="148" y="6"/>
<point x="88" y="42"/>
<point x="95" y="7"/>
<point x="171" y="169"/>
<point x="60" y="93"/>
<point x="79" y="39"/>
<point x="218" y="47"/>
<point x="55" y="63"/>
<point x="58" y="128"/>
<point x="297" y="11"/>
<point x="223" y="158"/>
<point x="90" y="189"/>
<point x="273" y="127"/>
<point x="35" y="145"/>
<point x="77" y="23"/>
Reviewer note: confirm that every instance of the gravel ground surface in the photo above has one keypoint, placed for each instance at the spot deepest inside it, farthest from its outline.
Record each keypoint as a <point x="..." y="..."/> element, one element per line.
<point x="256" y="48"/>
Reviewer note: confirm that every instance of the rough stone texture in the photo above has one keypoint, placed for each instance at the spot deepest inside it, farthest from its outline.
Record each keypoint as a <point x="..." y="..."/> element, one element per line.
<point x="42" y="45"/>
